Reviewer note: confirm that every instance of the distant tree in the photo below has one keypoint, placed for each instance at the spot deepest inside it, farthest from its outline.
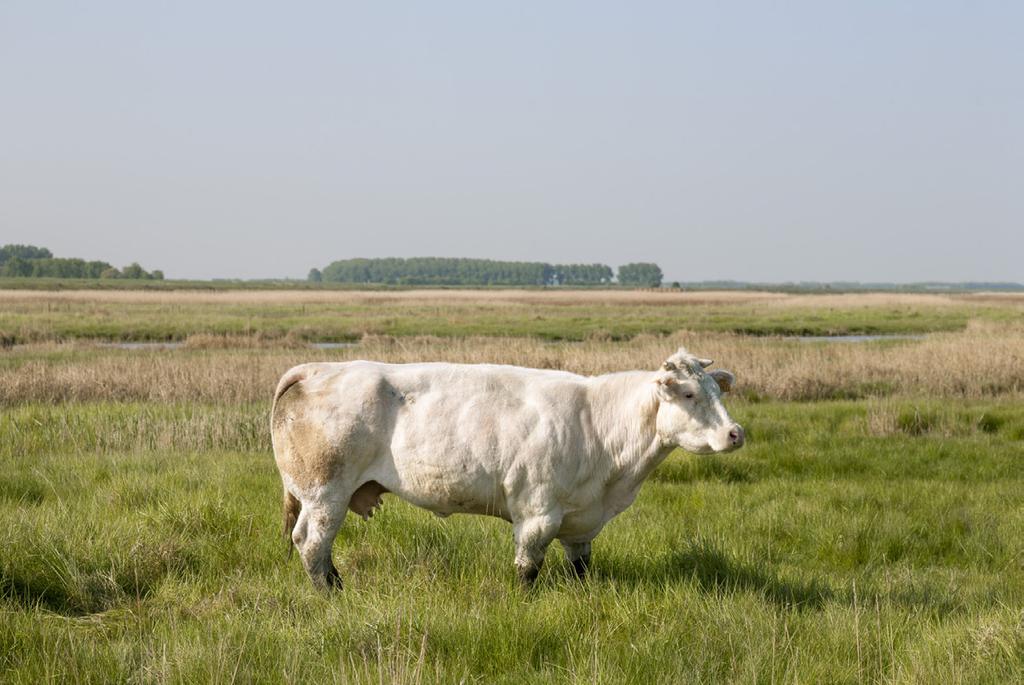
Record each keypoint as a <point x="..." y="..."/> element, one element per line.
<point x="315" y="276"/>
<point x="640" y="274"/>
<point x="63" y="267"/>
<point x="133" y="270"/>
<point x="94" y="269"/>
<point x="23" y="252"/>
<point x="39" y="262"/>
<point x="16" y="267"/>
<point x="581" y="274"/>
<point x="437" y="271"/>
<point x="157" y="275"/>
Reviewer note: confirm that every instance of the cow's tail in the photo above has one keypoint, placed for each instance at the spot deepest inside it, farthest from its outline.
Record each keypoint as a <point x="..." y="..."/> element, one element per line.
<point x="292" y="507"/>
<point x="291" y="377"/>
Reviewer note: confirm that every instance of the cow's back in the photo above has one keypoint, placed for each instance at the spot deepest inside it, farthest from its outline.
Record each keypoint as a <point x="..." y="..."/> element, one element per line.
<point x="442" y="435"/>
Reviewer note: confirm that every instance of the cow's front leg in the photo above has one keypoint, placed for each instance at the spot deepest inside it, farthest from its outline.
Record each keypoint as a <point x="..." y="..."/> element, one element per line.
<point x="578" y="554"/>
<point x="532" y="537"/>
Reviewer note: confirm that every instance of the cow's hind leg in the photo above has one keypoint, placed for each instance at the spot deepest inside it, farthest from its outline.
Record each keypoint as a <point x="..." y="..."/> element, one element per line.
<point x="532" y="537"/>
<point x="314" y="533"/>
<point x="578" y="554"/>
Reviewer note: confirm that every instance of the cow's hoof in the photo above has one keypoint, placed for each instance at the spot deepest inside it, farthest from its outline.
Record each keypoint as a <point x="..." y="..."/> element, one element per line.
<point x="334" y="579"/>
<point x="580" y="566"/>
<point x="528" y="576"/>
<point x="329" y="581"/>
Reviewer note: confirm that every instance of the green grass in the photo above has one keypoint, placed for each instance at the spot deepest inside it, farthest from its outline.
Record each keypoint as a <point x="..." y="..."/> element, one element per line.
<point x="38" y="321"/>
<point x="849" y="542"/>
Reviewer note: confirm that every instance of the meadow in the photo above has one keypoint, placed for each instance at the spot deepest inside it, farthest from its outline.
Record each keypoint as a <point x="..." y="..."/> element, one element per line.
<point x="870" y="531"/>
<point x="348" y="315"/>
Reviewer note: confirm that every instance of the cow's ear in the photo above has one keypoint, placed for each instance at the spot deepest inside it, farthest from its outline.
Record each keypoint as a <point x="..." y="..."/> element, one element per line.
<point x="666" y="385"/>
<point x="724" y="379"/>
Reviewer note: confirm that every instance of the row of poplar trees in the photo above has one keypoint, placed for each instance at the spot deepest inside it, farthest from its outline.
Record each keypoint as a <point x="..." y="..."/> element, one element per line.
<point x="459" y="271"/>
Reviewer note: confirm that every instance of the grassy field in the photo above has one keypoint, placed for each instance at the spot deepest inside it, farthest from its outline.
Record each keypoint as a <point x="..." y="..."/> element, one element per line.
<point x="34" y="316"/>
<point x="872" y="530"/>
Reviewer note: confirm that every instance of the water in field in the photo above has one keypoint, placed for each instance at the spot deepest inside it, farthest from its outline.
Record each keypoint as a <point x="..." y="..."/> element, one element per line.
<point x="143" y="345"/>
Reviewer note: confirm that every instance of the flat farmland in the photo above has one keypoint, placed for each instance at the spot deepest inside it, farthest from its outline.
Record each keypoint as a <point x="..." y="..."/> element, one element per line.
<point x="871" y="530"/>
<point x="344" y="315"/>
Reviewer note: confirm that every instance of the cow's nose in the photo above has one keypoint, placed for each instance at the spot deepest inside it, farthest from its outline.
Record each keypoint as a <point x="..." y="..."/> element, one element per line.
<point x="736" y="436"/>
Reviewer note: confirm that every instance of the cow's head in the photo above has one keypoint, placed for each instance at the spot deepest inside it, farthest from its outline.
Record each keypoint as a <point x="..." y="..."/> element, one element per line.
<point x="690" y="411"/>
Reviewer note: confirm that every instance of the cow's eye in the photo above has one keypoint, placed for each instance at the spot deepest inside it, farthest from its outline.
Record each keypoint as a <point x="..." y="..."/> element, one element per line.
<point x="688" y="395"/>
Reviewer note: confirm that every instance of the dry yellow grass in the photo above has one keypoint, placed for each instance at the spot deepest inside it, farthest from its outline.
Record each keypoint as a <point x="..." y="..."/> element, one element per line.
<point x="987" y="360"/>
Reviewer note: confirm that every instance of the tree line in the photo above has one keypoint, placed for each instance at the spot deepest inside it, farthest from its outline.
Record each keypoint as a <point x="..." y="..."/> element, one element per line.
<point x="462" y="271"/>
<point x="29" y="261"/>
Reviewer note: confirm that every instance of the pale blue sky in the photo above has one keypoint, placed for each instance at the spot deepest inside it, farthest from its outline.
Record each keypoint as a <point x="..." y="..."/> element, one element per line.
<point x="802" y="141"/>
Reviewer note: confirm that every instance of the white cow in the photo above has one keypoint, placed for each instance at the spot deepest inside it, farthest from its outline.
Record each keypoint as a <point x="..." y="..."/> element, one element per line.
<point x="556" y="454"/>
